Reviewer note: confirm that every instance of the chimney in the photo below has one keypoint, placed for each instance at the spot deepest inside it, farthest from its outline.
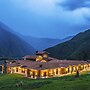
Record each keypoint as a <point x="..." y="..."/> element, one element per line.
<point x="36" y="52"/>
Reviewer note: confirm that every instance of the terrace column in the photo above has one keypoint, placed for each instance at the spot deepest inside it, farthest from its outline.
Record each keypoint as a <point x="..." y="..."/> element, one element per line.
<point x="11" y="70"/>
<point x="47" y="73"/>
<point x="20" y="70"/>
<point x="58" y="71"/>
<point x="2" y="69"/>
<point x="39" y="73"/>
<point x="54" y="71"/>
<point x="26" y="73"/>
<point x="15" y="70"/>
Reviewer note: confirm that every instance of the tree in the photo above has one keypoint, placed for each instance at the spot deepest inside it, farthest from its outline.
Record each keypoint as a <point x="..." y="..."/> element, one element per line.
<point x="77" y="73"/>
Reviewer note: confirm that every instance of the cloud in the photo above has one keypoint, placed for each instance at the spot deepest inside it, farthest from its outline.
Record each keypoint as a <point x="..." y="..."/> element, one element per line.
<point x="36" y="6"/>
<point x="74" y="4"/>
<point x="47" y="9"/>
<point x="45" y="18"/>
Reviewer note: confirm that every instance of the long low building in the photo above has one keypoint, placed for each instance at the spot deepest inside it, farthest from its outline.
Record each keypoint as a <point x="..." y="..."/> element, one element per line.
<point x="43" y="66"/>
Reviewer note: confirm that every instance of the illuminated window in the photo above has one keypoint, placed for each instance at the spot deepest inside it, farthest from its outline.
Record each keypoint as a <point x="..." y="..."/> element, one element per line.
<point x="43" y="61"/>
<point x="45" y="55"/>
<point x="39" y="58"/>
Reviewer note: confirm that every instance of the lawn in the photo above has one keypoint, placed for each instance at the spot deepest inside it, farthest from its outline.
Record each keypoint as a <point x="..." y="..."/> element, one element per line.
<point x="8" y="82"/>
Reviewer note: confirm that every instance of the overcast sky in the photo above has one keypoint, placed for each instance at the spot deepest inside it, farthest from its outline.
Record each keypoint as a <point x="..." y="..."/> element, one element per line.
<point x="46" y="18"/>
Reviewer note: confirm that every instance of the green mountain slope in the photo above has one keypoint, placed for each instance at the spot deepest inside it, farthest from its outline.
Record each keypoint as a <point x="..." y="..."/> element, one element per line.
<point x="76" y="48"/>
<point x="12" y="45"/>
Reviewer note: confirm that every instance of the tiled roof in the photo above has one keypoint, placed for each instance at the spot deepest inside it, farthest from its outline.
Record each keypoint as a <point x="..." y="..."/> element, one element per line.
<point x="41" y="53"/>
<point x="30" y="56"/>
<point x="53" y="63"/>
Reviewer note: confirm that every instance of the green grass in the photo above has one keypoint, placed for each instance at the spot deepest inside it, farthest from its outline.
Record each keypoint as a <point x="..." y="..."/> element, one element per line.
<point x="8" y="82"/>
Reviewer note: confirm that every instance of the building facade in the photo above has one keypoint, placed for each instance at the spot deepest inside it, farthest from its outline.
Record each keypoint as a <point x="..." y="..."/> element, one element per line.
<point x="43" y="66"/>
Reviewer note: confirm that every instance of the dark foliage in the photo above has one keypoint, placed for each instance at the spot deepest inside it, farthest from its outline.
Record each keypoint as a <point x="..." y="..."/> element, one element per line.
<point x="12" y="45"/>
<point x="78" y="48"/>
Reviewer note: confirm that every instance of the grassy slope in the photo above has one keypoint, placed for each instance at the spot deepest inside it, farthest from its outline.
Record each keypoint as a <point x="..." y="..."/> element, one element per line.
<point x="76" y="48"/>
<point x="7" y="82"/>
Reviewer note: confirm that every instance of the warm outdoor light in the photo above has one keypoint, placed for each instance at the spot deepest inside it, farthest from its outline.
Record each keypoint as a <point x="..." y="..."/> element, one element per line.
<point x="39" y="58"/>
<point x="43" y="66"/>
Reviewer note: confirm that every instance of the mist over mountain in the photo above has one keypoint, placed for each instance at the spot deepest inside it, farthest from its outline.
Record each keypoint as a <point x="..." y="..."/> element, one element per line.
<point x="41" y="44"/>
<point x="76" y="48"/>
<point x="12" y="45"/>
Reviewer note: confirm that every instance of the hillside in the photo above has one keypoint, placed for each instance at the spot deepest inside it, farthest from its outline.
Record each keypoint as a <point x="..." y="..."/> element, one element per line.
<point x="76" y="48"/>
<point x="12" y="45"/>
<point x="9" y="81"/>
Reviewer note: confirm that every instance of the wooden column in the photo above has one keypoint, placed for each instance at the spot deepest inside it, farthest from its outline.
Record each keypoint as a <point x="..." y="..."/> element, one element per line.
<point x="26" y="73"/>
<point x="39" y="73"/>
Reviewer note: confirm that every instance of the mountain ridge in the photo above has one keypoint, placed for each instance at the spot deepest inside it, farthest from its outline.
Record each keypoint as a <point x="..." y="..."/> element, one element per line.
<point x="76" y="48"/>
<point x="12" y="45"/>
<point x="41" y="44"/>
